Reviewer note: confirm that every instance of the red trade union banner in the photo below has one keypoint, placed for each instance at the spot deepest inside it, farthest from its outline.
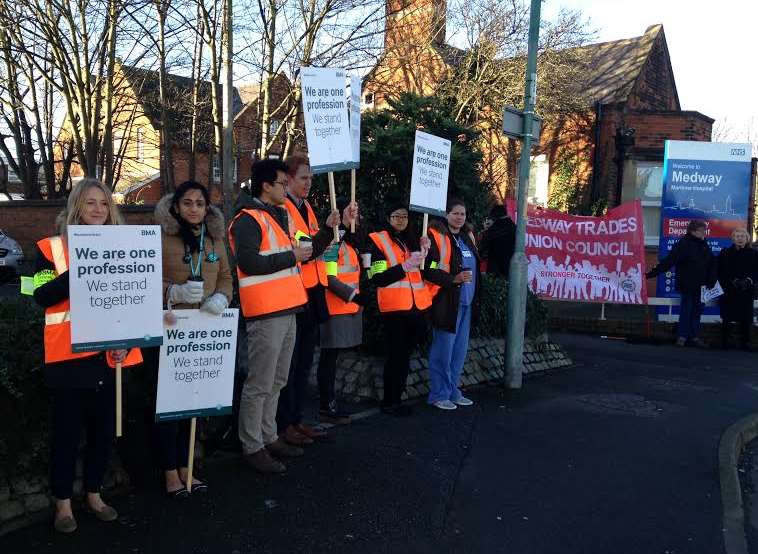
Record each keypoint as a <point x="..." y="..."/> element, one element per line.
<point x="587" y="259"/>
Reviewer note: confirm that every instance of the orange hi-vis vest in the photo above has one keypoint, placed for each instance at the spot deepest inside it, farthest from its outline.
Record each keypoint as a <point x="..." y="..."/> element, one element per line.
<point x="348" y="270"/>
<point x="314" y="271"/>
<point x="58" y="316"/>
<point x="403" y="294"/>
<point x="445" y="249"/>
<point x="273" y="292"/>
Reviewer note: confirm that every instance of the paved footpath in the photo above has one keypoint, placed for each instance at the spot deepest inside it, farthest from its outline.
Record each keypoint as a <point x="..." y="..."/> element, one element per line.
<point x="617" y="455"/>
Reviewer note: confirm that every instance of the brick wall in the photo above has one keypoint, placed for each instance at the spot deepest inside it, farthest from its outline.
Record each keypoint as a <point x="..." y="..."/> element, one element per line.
<point x="29" y="221"/>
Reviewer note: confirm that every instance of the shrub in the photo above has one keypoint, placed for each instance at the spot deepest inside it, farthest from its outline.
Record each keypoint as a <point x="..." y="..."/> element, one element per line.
<point x="24" y="404"/>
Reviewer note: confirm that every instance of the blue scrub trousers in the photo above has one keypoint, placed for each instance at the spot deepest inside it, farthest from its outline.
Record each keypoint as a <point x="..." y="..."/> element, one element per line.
<point x="446" y="358"/>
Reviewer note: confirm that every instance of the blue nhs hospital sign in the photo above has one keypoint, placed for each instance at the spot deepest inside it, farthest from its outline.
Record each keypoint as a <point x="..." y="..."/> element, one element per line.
<point x="702" y="180"/>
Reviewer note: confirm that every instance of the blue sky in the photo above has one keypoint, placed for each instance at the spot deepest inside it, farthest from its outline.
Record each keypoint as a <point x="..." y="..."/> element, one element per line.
<point x="712" y="47"/>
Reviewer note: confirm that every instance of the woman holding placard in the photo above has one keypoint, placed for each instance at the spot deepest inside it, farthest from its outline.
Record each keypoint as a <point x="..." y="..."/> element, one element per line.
<point x="82" y="385"/>
<point x="396" y="258"/>
<point x="453" y="277"/>
<point x="196" y="274"/>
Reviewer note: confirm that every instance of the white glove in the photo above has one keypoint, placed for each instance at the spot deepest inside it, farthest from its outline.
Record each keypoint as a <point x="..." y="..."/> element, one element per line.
<point x="190" y="292"/>
<point x="413" y="263"/>
<point x="215" y="304"/>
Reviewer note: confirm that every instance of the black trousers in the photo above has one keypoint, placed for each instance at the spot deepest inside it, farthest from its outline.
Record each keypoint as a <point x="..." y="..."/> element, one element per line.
<point x="74" y="409"/>
<point x="403" y="332"/>
<point x="744" y="329"/>
<point x="292" y="397"/>
<point x="326" y="374"/>
<point x="172" y="441"/>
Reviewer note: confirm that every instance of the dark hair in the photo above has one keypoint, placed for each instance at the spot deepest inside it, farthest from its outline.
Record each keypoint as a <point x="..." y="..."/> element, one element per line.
<point x="696" y="224"/>
<point x="264" y="171"/>
<point x="295" y="161"/>
<point x="185" y="229"/>
<point x="497" y="211"/>
<point x="454" y="202"/>
<point x="185" y="187"/>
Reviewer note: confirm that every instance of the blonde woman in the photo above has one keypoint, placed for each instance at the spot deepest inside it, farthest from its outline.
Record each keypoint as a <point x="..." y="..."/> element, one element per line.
<point x="82" y="385"/>
<point x="738" y="274"/>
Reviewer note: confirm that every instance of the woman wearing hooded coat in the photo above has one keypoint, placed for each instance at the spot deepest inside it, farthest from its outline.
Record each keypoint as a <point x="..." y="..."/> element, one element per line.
<point x="196" y="274"/>
<point x="738" y="274"/>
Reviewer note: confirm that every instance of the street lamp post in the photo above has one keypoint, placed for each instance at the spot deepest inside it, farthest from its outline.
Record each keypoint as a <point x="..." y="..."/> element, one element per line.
<point x="517" y="285"/>
<point x="228" y="113"/>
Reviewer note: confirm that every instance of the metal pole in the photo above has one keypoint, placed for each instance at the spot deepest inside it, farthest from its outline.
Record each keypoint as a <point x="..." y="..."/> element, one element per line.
<point x="517" y="286"/>
<point x="228" y="146"/>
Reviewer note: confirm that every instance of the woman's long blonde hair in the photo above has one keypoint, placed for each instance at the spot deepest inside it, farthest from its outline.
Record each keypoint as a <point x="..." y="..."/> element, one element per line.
<point x="71" y="214"/>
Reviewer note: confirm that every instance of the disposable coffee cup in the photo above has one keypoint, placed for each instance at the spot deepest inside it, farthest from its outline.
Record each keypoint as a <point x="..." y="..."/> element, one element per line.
<point x="366" y="259"/>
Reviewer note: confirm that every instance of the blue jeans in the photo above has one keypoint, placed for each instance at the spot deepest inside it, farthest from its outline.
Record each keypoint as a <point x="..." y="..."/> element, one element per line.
<point x="446" y="358"/>
<point x="689" y="315"/>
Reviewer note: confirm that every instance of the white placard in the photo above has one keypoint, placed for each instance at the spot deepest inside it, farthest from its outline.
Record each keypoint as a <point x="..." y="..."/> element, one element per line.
<point x="115" y="286"/>
<point x="431" y="169"/>
<point x="327" y="128"/>
<point x="196" y="371"/>
<point x="354" y="107"/>
<point x="706" y="294"/>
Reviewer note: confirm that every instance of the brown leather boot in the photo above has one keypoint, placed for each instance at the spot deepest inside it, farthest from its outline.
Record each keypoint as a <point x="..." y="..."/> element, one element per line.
<point x="294" y="437"/>
<point x="262" y="462"/>
<point x="310" y="432"/>
<point x="281" y="449"/>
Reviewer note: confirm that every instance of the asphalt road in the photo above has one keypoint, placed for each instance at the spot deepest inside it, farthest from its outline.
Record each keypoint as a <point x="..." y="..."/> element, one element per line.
<point x="618" y="454"/>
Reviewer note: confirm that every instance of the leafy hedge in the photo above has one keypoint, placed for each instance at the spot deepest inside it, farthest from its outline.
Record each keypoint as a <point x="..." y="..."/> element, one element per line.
<point x="24" y="404"/>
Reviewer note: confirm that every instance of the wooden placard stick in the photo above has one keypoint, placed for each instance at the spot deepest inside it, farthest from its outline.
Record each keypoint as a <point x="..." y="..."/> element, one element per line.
<point x="333" y="199"/>
<point x="191" y="460"/>
<point x="424" y="230"/>
<point x="352" y="196"/>
<point x="118" y="399"/>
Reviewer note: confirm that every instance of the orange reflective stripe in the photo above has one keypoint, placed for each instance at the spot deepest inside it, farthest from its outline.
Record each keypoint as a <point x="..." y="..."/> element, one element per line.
<point x="314" y="271"/>
<point x="59" y="254"/>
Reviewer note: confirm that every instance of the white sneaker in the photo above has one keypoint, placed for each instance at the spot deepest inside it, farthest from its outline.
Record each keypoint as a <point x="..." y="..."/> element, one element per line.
<point x="463" y="401"/>
<point x="445" y="405"/>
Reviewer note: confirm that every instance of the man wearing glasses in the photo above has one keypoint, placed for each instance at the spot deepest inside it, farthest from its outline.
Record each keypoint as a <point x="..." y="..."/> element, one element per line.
<point x="271" y="293"/>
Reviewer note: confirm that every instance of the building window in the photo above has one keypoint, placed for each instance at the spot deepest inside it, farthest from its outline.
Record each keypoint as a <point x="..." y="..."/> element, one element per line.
<point x="141" y="145"/>
<point x="643" y="180"/>
<point x="217" y="169"/>
<point x="539" y="176"/>
<point x="368" y="99"/>
<point x="273" y="127"/>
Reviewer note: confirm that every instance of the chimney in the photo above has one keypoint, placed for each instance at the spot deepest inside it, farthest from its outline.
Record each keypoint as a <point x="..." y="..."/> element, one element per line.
<point x="416" y="23"/>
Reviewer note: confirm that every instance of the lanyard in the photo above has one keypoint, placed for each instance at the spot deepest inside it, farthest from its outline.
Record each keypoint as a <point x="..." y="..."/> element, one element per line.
<point x="196" y="269"/>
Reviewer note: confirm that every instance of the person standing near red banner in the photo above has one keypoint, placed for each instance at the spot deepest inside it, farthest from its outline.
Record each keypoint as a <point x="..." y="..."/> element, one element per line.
<point x="695" y="268"/>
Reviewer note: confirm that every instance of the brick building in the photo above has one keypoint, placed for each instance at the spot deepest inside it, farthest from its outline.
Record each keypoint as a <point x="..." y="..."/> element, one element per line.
<point x="137" y="123"/>
<point x="611" y="151"/>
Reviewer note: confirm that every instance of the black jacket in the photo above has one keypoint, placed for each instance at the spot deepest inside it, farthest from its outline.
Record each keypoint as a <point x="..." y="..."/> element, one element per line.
<point x="444" y="310"/>
<point x="694" y="262"/>
<point x="498" y="244"/>
<point x="738" y="274"/>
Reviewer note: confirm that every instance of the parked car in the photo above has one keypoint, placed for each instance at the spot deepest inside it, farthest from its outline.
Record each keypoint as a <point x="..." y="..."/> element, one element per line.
<point x="11" y="256"/>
